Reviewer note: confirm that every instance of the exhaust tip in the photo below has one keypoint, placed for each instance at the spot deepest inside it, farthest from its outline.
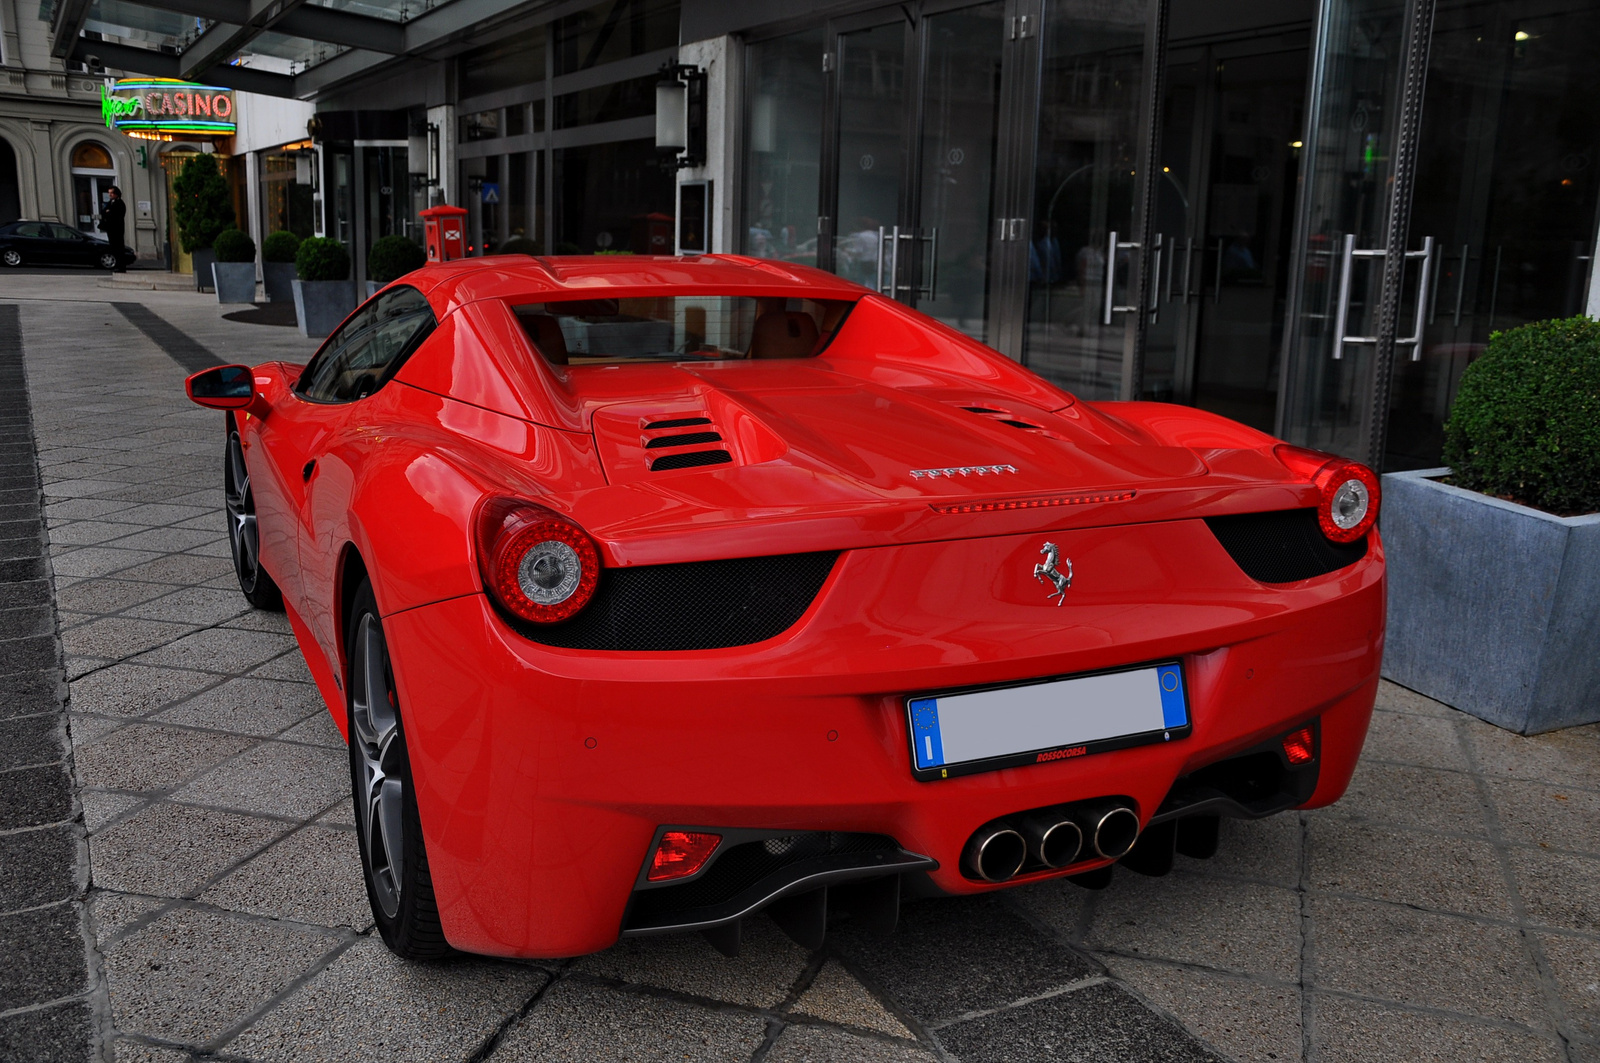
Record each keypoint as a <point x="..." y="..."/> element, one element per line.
<point x="1056" y="844"/>
<point x="996" y="853"/>
<point x="1115" y="832"/>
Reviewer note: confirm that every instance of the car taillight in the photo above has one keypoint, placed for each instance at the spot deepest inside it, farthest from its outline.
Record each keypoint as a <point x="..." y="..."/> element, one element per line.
<point x="681" y="853"/>
<point x="536" y="563"/>
<point x="1350" y="493"/>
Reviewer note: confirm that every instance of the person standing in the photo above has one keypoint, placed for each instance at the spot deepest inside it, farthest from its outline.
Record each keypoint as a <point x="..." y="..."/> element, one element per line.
<point x="112" y="219"/>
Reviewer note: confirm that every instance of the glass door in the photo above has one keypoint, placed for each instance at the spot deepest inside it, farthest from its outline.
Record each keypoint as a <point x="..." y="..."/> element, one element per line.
<point x="1085" y="249"/>
<point x="1508" y="178"/>
<point x="1355" y="154"/>
<point x="918" y="150"/>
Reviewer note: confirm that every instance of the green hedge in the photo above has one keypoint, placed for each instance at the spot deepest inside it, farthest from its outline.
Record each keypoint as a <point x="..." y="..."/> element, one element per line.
<point x="1526" y="420"/>
<point x="392" y="257"/>
<point x="322" y="259"/>
<point x="232" y="245"/>
<point x="280" y="246"/>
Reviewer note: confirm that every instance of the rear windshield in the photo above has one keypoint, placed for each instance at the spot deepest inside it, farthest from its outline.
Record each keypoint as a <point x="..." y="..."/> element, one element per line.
<point x="681" y="328"/>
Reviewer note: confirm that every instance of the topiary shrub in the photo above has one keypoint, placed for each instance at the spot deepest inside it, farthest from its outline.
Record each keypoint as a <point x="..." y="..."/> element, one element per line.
<point x="280" y="246"/>
<point x="321" y="259"/>
<point x="231" y="245"/>
<point x="201" y="201"/>
<point x="392" y="257"/>
<point x="518" y="245"/>
<point x="1526" y="420"/>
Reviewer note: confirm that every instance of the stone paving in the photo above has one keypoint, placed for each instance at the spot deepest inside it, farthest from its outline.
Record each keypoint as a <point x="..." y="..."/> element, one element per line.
<point x="1448" y="908"/>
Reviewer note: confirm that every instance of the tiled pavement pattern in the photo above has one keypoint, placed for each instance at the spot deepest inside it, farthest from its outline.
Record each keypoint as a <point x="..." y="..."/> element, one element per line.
<point x="1448" y="909"/>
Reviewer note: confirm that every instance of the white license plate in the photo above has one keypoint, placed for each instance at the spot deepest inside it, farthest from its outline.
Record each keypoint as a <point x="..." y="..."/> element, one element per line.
<point x="1051" y="719"/>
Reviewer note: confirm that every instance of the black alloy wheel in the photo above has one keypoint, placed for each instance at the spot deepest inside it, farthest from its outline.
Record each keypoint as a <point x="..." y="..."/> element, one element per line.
<point x="244" y="536"/>
<point x="108" y="260"/>
<point x="394" y="860"/>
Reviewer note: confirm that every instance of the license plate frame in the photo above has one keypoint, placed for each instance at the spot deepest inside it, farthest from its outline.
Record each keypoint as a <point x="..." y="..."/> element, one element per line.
<point x="928" y="761"/>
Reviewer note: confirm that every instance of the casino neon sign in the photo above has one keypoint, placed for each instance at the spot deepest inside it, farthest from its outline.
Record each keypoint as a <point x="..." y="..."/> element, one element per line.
<point x="164" y="105"/>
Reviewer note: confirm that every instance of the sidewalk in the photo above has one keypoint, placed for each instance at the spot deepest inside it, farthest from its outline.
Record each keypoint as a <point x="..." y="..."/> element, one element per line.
<point x="1448" y="908"/>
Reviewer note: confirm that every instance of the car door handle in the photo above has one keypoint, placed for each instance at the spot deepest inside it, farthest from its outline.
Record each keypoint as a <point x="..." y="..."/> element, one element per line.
<point x="310" y="467"/>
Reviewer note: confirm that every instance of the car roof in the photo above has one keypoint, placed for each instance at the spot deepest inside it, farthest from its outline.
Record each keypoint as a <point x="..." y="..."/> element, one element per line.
<point x="525" y="278"/>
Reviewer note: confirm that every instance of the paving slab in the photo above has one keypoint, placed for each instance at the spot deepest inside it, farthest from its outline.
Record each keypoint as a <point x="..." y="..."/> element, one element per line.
<point x="171" y="850"/>
<point x="311" y="876"/>
<point x="821" y="1044"/>
<point x="1244" y="1019"/>
<point x="1355" y="1031"/>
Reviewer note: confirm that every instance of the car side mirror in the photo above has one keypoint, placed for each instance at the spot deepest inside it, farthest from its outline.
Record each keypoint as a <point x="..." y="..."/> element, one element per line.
<point x="226" y="387"/>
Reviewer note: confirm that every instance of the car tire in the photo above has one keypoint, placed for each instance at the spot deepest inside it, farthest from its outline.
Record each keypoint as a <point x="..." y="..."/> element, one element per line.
<point x="394" y="858"/>
<point x="244" y="535"/>
<point x="11" y="257"/>
<point x="107" y="260"/>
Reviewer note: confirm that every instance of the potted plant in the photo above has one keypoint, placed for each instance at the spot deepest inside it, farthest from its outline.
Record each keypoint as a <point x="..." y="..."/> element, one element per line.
<point x="322" y="293"/>
<point x="203" y="208"/>
<point x="391" y="258"/>
<point x="1494" y="562"/>
<point x="235" y="268"/>
<point x="277" y="265"/>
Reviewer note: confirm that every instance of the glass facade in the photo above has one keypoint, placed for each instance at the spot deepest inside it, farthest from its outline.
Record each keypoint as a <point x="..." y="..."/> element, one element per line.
<point x="286" y="203"/>
<point x="608" y="199"/>
<point x="783" y="132"/>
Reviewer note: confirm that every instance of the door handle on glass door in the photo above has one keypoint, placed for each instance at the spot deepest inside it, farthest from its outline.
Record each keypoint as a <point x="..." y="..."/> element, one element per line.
<point x="1341" y="311"/>
<point x="1113" y="245"/>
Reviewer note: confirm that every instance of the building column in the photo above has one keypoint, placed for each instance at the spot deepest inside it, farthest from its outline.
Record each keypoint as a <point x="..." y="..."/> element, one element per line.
<point x="719" y="58"/>
<point x="44" y="172"/>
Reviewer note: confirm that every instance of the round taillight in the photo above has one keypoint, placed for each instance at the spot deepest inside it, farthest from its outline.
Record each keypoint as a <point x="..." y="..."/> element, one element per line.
<point x="537" y="564"/>
<point x="1349" y="505"/>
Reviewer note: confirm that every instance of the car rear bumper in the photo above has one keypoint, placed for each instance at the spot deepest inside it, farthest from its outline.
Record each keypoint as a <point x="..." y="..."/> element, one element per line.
<point x="543" y="775"/>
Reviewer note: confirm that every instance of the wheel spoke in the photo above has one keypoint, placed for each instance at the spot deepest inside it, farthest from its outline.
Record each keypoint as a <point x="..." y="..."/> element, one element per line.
<point x="376" y="742"/>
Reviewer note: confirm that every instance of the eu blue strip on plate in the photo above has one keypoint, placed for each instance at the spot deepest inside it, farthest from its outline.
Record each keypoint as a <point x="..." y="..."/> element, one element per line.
<point x="1174" y="713"/>
<point x="925" y="732"/>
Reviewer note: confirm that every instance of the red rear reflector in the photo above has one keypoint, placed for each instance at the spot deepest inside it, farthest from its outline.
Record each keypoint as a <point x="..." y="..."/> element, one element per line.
<point x="1030" y="503"/>
<point x="1297" y="746"/>
<point x="682" y="853"/>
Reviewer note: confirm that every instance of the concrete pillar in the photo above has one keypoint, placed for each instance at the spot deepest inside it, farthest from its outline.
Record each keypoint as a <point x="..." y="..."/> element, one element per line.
<point x="719" y="57"/>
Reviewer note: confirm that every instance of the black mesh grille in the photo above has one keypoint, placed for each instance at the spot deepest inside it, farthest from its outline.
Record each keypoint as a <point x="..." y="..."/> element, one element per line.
<point x="1283" y="546"/>
<point x="683" y="440"/>
<point x="679" y="422"/>
<point x="698" y="605"/>
<point x="690" y="459"/>
<point x="1017" y="424"/>
<point x="743" y="866"/>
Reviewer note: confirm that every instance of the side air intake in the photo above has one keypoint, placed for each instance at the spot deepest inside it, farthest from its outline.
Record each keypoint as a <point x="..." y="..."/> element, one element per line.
<point x="1283" y="546"/>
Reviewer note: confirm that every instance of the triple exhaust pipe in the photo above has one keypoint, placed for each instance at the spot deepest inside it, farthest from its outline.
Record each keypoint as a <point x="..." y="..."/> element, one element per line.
<point x="1053" y="837"/>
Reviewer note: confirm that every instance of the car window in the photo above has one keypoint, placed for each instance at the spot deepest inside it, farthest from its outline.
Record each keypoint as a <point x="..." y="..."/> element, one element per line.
<point x="62" y="232"/>
<point x="31" y="229"/>
<point x="368" y="349"/>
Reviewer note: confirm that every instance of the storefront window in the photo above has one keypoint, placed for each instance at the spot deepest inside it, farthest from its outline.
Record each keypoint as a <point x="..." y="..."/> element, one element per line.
<point x="517" y="60"/>
<point x="286" y="203"/>
<point x="622" y="99"/>
<point x="616" y="29"/>
<point x="784" y="147"/>
<point x="484" y="125"/>
<point x="613" y="197"/>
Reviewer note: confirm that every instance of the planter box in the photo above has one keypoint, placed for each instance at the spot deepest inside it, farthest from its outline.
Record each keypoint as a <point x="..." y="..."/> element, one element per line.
<point x="235" y="281"/>
<point x="278" y="279"/>
<point x="319" y="306"/>
<point x="1492" y="604"/>
<point x="203" y="260"/>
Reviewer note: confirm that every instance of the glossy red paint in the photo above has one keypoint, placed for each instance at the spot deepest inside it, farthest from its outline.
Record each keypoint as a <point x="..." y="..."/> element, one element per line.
<point x="543" y="774"/>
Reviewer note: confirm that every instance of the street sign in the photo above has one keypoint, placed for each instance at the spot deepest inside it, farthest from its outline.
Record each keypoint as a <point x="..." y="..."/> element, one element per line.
<point x="491" y="192"/>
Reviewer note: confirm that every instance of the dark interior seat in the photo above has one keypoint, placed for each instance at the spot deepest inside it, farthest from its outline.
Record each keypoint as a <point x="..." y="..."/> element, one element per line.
<point x="545" y="331"/>
<point x="783" y="334"/>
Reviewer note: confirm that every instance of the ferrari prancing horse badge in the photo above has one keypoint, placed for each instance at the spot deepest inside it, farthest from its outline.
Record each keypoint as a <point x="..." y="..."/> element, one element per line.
<point x="1048" y="570"/>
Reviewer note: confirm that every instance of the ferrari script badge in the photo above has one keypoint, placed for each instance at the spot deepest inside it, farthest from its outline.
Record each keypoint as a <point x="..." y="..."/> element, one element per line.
<point x="1048" y="570"/>
<point x="961" y="470"/>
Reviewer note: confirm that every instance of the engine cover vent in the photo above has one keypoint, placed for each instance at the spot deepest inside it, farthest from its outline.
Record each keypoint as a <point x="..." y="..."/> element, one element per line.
<point x="690" y="459"/>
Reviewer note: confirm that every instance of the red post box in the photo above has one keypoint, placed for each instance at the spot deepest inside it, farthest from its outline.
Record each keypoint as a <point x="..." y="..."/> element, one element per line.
<point x="445" y="228"/>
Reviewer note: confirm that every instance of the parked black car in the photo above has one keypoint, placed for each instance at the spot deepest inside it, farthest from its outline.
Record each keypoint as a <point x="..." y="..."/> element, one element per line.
<point x="47" y="243"/>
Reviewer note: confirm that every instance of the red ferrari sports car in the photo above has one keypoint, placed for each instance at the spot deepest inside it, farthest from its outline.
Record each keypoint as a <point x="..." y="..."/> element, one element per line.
<point x="654" y="592"/>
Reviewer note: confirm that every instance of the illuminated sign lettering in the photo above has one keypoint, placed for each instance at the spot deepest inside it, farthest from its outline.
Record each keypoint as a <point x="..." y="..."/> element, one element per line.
<point x="162" y="105"/>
